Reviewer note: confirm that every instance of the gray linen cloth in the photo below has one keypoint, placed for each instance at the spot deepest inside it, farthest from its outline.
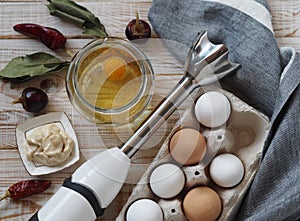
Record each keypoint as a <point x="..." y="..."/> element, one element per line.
<point x="268" y="81"/>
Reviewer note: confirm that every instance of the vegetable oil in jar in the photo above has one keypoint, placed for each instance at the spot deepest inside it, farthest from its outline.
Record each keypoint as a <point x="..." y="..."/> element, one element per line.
<point x="110" y="81"/>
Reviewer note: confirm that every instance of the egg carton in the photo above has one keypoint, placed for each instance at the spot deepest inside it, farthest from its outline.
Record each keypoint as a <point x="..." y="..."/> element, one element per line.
<point x="244" y="136"/>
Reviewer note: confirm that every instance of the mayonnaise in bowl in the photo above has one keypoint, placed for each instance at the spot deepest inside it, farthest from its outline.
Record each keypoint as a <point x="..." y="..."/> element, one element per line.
<point x="48" y="145"/>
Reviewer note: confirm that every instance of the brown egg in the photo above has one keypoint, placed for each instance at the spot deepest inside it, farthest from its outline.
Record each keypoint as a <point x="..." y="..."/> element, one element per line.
<point x="187" y="146"/>
<point x="202" y="203"/>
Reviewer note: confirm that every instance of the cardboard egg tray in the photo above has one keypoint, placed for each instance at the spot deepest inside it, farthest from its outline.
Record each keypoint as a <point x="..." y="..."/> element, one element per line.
<point x="243" y="135"/>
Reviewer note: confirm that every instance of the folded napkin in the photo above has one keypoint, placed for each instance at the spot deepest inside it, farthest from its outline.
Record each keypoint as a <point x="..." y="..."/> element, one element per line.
<point x="268" y="81"/>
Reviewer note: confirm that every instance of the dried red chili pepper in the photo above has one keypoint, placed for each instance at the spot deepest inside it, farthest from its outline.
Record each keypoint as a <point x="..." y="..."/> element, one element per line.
<point x="26" y="188"/>
<point x="51" y="37"/>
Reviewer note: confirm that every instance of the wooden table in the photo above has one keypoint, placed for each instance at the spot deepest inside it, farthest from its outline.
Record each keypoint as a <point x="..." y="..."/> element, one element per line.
<point x="115" y="15"/>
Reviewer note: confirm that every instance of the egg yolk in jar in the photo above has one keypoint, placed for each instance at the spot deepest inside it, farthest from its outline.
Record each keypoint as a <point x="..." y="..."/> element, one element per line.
<point x="109" y="78"/>
<point x="115" y="68"/>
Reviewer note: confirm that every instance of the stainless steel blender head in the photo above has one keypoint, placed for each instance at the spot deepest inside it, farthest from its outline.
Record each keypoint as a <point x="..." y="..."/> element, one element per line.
<point x="205" y="64"/>
<point x="201" y="54"/>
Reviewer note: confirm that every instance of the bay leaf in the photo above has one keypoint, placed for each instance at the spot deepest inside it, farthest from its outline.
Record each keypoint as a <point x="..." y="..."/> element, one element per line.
<point x="71" y="11"/>
<point x="36" y="64"/>
<point x="94" y="32"/>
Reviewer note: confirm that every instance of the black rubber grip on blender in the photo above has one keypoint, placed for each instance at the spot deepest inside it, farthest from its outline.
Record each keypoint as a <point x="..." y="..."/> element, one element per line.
<point x="86" y="193"/>
<point x="82" y="190"/>
<point x="34" y="217"/>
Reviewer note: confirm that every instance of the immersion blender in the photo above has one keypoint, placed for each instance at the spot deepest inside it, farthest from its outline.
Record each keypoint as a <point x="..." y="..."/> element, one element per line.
<point x="95" y="184"/>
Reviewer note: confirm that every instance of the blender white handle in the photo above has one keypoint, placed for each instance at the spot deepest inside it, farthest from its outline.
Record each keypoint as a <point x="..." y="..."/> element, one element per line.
<point x="92" y="187"/>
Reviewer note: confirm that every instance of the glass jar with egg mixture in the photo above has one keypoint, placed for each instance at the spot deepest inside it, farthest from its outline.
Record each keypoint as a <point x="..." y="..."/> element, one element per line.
<point x="110" y="81"/>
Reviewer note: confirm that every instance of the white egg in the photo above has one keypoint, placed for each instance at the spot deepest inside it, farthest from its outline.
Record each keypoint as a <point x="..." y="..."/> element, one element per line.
<point x="167" y="180"/>
<point x="226" y="170"/>
<point x="212" y="109"/>
<point x="144" y="209"/>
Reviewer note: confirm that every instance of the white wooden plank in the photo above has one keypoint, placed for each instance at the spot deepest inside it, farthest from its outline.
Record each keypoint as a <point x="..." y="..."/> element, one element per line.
<point x="113" y="14"/>
<point x="293" y="42"/>
<point x="285" y="17"/>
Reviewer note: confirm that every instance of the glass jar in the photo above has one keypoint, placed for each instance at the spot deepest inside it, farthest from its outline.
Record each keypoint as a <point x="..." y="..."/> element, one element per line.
<point x="110" y="81"/>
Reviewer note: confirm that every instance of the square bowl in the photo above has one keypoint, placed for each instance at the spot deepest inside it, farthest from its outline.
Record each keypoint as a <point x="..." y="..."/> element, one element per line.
<point x="25" y="128"/>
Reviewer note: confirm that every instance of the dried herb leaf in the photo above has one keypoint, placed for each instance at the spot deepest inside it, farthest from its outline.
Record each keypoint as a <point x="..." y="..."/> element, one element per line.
<point x="79" y="15"/>
<point x="28" y="66"/>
